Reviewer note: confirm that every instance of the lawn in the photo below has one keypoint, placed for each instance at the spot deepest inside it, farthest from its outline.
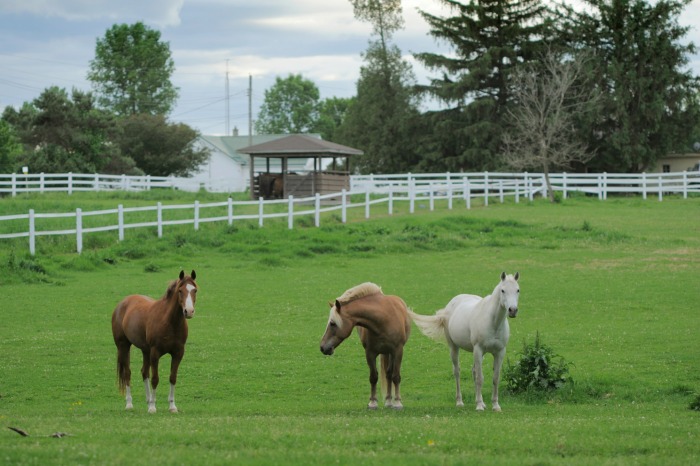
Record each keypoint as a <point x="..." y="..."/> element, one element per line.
<point x="610" y="285"/>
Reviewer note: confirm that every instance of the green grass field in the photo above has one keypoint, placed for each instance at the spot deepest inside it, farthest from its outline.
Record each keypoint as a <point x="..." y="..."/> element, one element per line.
<point x="612" y="286"/>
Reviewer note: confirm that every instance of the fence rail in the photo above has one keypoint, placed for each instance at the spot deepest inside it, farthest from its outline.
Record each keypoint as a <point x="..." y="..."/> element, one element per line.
<point x="365" y="192"/>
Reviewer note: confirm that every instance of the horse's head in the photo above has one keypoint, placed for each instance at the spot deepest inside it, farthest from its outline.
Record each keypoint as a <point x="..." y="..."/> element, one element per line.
<point x="187" y="293"/>
<point x="508" y="293"/>
<point x="337" y="330"/>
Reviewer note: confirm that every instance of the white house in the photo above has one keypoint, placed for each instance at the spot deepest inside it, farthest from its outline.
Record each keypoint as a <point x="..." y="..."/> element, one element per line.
<point x="227" y="170"/>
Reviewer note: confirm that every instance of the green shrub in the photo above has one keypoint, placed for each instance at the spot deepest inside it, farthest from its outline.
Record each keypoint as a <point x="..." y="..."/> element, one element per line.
<point x="538" y="369"/>
<point x="695" y="404"/>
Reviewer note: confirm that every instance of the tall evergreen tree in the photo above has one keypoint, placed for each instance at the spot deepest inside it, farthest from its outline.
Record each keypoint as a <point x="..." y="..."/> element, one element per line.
<point x="650" y="98"/>
<point x="489" y="38"/>
<point x="380" y="119"/>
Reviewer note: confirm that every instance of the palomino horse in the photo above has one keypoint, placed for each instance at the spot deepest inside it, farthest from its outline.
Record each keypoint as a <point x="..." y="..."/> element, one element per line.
<point x="384" y="327"/>
<point x="156" y="327"/>
<point x="478" y="325"/>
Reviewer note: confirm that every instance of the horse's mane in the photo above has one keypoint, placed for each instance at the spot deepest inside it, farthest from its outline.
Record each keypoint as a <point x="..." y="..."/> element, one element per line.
<point x="359" y="291"/>
<point x="172" y="286"/>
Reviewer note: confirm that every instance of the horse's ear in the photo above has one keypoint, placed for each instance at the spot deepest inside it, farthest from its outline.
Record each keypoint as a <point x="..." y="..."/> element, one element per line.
<point x="503" y="276"/>
<point x="193" y="274"/>
<point x="337" y="305"/>
<point x="330" y="304"/>
<point x="516" y="276"/>
<point x="182" y="274"/>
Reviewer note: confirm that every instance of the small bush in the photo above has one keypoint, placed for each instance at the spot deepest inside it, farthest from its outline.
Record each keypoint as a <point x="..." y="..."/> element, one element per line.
<point x="538" y="369"/>
<point x="695" y="404"/>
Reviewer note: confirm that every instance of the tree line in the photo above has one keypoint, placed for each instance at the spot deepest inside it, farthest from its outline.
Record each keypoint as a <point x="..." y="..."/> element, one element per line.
<point x="525" y="84"/>
<point x="121" y="127"/>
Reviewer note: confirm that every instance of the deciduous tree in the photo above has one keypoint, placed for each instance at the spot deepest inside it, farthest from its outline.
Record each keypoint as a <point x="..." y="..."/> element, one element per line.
<point x="131" y="71"/>
<point x="289" y="106"/>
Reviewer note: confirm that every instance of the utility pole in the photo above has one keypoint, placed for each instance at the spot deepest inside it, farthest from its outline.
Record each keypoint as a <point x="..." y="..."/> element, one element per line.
<point x="228" y="108"/>
<point x="250" y="110"/>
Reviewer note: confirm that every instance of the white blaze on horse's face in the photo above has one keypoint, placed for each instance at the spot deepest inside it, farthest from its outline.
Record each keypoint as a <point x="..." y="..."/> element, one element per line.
<point x="189" y="293"/>
<point x="509" y="293"/>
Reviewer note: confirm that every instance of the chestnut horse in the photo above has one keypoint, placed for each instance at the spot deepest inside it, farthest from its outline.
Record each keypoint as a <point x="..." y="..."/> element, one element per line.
<point x="156" y="327"/>
<point x="384" y="326"/>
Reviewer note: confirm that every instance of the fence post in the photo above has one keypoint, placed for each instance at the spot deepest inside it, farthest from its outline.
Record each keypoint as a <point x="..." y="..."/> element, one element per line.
<point x="79" y="229"/>
<point x="96" y="183"/>
<point x="661" y="189"/>
<point x="432" y="196"/>
<point x="41" y="183"/>
<point x="160" y="220"/>
<point x="120" y="221"/>
<point x="317" y="210"/>
<point x="70" y="183"/>
<point x="486" y="189"/>
<point x="500" y="190"/>
<point x="564" y="185"/>
<point x="32" y="233"/>
<point x="196" y="215"/>
<point x="230" y="211"/>
<point x="391" y="199"/>
<point x="644" y="185"/>
<point x="467" y="193"/>
<point x="449" y="195"/>
<point x="344" y="208"/>
<point x="517" y="191"/>
<point x="685" y="184"/>
<point x="14" y="185"/>
<point x="605" y="186"/>
<point x="260" y="211"/>
<point x="290" y="211"/>
<point x="600" y="187"/>
<point x="367" y="203"/>
<point x="411" y="195"/>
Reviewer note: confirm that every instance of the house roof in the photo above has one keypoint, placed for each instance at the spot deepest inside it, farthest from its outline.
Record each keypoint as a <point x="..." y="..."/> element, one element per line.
<point x="230" y="145"/>
<point x="299" y="146"/>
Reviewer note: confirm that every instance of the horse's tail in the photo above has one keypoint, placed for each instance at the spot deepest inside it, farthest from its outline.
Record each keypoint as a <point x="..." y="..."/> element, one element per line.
<point x="434" y="326"/>
<point x="383" y="379"/>
<point x="122" y="375"/>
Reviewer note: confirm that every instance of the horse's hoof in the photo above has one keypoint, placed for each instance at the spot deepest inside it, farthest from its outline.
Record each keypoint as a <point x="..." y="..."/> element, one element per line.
<point x="151" y="410"/>
<point x="397" y="405"/>
<point x="480" y="407"/>
<point x="173" y="410"/>
<point x="129" y="407"/>
<point x="497" y="409"/>
<point x="460" y="404"/>
<point x="372" y="405"/>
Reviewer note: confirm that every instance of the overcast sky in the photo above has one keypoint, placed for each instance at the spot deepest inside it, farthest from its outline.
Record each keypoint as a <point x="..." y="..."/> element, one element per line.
<point x="51" y="42"/>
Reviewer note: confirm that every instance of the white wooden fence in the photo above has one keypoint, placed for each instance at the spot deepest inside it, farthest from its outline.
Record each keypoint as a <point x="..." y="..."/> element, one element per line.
<point x="371" y="190"/>
<point x="16" y="183"/>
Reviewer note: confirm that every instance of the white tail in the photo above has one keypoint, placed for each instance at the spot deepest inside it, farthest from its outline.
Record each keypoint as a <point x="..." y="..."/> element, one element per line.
<point x="431" y="326"/>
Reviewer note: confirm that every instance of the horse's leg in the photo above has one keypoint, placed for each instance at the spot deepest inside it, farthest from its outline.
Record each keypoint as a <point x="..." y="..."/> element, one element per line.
<point x="396" y="377"/>
<point x="478" y="376"/>
<point x="454" y="354"/>
<point x="123" y="361"/>
<point x="145" y="369"/>
<point x="373" y="377"/>
<point x="174" y="364"/>
<point x="155" y="356"/>
<point x="497" y="362"/>
<point x="387" y="369"/>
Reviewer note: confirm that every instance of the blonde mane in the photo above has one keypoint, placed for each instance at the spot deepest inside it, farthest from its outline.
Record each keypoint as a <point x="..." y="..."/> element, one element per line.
<point x="359" y="291"/>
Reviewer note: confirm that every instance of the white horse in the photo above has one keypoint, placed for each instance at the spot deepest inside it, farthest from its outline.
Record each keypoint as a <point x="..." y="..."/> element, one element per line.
<point x="478" y="325"/>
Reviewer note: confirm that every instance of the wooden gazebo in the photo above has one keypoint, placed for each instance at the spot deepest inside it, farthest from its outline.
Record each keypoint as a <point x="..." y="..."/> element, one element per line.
<point x="285" y="170"/>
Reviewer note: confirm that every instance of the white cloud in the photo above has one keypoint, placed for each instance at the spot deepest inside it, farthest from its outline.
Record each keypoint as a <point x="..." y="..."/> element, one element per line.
<point x="161" y="13"/>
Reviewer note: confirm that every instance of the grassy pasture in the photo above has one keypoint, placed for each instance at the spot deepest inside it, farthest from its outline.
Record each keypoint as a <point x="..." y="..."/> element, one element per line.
<point x="611" y="286"/>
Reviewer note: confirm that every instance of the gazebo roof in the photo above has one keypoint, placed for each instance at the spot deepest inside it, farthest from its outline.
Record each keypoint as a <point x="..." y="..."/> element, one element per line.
<point x="299" y="145"/>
